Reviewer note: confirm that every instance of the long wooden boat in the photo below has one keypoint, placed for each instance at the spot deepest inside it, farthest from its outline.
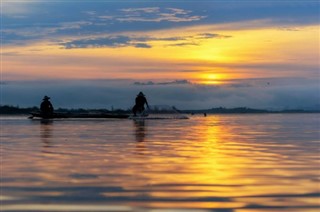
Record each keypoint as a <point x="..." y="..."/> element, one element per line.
<point x="77" y="115"/>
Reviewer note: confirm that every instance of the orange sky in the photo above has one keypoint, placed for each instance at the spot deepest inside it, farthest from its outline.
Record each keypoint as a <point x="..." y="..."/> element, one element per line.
<point x="195" y="54"/>
<point x="248" y="53"/>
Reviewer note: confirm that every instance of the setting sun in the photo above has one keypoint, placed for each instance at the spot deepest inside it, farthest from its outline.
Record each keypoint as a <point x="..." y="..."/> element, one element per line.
<point x="211" y="79"/>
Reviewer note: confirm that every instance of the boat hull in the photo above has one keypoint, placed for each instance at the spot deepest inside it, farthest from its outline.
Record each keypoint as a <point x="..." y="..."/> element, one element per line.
<point x="80" y="115"/>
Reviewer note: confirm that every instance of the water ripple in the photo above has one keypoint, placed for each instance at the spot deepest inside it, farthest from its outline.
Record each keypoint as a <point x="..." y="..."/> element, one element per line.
<point x="229" y="163"/>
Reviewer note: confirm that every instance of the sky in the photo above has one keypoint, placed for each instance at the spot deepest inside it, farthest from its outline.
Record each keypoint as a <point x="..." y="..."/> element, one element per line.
<point x="189" y="54"/>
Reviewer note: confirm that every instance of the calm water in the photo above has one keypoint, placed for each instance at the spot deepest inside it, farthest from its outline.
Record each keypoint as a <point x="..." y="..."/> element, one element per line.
<point x="228" y="163"/>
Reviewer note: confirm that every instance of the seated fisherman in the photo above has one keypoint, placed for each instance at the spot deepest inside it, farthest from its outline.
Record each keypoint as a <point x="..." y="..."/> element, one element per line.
<point x="46" y="107"/>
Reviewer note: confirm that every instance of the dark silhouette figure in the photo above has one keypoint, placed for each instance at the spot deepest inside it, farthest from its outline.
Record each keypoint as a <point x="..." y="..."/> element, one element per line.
<point x="46" y="107"/>
<point x="140" y="102"/>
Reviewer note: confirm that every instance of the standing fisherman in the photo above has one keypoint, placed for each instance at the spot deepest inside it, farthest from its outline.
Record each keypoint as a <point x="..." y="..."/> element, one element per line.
<point x="139" y="106"/>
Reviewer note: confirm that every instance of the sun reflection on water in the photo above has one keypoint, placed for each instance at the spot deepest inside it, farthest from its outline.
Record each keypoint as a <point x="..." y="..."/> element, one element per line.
<point x="227" y="162"/>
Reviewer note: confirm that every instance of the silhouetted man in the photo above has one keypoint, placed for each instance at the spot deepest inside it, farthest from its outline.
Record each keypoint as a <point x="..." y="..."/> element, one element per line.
<point x="46" y="107"/>
<point x="139" y="106"/>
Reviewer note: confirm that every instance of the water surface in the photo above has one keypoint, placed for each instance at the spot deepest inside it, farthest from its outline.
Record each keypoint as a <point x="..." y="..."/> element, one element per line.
<point x="229" y="163"/>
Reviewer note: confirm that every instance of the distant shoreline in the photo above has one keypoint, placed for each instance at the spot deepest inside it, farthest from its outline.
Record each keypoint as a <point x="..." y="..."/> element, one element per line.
<point x="15" y="110"/>
<point x="245" y="110"/>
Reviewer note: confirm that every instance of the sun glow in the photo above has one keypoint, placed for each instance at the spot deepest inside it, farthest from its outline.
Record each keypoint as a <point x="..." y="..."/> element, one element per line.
<point x="211" y="79"/>
<point x="212" y="61"/>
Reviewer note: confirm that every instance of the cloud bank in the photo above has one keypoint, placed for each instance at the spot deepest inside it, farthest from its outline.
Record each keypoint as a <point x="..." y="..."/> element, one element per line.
<point x="116" y="41"/>
<point x="256" y="93"/>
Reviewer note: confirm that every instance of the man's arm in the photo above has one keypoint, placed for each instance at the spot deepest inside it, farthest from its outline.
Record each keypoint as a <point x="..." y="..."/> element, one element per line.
<point x="51" y="106"/>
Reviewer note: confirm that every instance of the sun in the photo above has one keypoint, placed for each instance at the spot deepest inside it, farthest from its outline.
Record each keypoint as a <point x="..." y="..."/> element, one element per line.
<point x="211" y="79"/>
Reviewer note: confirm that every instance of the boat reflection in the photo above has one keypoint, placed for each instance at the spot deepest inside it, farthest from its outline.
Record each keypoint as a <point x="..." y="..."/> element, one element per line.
<point x="46" y="132"/>
<point x="140" y="131"/>
<point x="140" y="134"/>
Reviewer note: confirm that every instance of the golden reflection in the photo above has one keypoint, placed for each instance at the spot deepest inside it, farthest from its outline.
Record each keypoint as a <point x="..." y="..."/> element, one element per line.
<point x="214" y="161"/>
<point x="203" y="159"/>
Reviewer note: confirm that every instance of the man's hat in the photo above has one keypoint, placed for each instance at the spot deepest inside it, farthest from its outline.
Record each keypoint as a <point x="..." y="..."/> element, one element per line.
<point x="46" y="98"/>
<point x="140" y="94"/>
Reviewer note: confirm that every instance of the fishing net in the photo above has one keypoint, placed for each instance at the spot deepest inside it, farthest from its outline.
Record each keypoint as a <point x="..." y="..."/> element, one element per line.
<point x="160" y="112"/>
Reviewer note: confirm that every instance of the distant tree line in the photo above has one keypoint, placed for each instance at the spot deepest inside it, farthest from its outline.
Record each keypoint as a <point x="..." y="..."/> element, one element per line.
<point x="240" y="110"/>
<point x="7" y="109"/>
<point x="11" y="110"/>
